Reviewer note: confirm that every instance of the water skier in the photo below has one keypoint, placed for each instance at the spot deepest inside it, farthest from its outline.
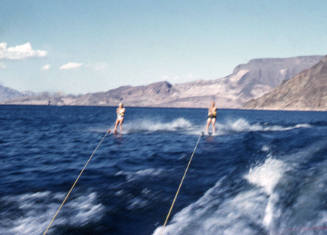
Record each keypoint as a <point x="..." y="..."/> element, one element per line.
<point x="120" y="111"/>
<point x="212" y="113"/>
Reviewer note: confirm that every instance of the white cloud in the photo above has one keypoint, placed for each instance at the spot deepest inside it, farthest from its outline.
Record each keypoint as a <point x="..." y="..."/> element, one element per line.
<point x="19" y="52"/>
<point x="2" y="66"/>
<point x="46" y="67"/>
<point x="70" y="65"/>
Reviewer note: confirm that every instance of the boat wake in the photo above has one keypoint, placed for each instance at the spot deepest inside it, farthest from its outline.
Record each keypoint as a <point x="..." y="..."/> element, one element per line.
<point x="187" y="127"/>
<point x="179" y="124"/>
<point x="36" y="210"/>
<point x="260" y="206"/>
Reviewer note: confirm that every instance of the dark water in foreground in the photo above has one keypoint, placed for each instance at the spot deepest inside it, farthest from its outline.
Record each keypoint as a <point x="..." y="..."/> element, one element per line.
<point x="263" y="173"/>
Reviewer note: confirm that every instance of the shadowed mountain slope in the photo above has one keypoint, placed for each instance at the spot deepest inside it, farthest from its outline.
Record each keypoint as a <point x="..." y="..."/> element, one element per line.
<point x="306" y="91"/>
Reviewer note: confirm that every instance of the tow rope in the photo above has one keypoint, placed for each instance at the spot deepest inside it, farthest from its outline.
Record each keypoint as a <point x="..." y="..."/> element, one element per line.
<point x="180" y="184"/>
<point x="72" y="187"/>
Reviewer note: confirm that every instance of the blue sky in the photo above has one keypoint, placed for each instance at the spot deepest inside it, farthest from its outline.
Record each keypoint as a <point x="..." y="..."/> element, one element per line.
<point x="87" y="46"/>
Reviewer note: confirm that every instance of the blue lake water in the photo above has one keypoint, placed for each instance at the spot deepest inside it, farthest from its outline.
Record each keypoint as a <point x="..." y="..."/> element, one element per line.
<point x="264" y="172"/>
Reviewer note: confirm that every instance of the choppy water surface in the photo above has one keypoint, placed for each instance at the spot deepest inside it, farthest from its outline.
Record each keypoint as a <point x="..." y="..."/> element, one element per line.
<point x="262" y="173"/>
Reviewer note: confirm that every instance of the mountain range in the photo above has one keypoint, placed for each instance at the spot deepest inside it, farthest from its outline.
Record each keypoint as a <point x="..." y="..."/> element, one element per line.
<point x="7" y="93"/>
<point x="248" y="81"/>
<point x="306" y="91"/>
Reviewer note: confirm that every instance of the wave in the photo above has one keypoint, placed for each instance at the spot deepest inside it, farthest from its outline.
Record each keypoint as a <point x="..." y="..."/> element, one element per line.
<point x="147" y="125"/>
<point x="263" y="206"/>
<point x="266" y="176"/>
<point x="219" y="211"/>
<point x="36" y="210"/>
<point x="140" y="173"/>
<point x="241" y="125"/>
<point x="181" y="124"/>
<point x="153" y="126"/>
<point x="187" y="127"/>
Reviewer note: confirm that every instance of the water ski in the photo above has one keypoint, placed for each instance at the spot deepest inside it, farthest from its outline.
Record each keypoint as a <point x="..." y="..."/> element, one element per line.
<point x="206" y="134"/>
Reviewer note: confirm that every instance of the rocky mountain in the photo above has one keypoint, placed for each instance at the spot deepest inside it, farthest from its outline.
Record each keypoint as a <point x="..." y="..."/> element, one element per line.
<point x="7" y="93"/>
<point x="306" y="91"/>
<point x="150" y="95"/>
<point x="42" y="98"/>
<point x="247" y="81"/>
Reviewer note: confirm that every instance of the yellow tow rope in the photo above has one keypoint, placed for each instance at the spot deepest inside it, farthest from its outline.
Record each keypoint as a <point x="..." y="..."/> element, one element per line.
<point x="180" y="184"/>
<point x="90" y="158"/>
<point x="72" y="187"/>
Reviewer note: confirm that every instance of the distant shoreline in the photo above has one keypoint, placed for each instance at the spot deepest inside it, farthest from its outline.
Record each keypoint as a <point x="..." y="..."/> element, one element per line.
<point x="167" y="107"/>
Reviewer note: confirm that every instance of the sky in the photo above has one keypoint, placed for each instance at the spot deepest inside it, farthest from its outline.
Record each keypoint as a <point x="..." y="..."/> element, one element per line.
<point x="87" y="46"/>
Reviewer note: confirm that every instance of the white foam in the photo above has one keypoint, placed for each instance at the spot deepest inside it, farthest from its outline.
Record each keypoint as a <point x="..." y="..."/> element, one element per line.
<point x="149" y="171"/>
<point x="267" y="175"/>
<point x="136" y="203"/>
<point x="256" y="210"/>
<point x="271" y="211"/>
<point x="219" y="212"/>
<point x="215" y="214"/>
<point x="86" y="209"/>
<point x="29" y="196"/>
<point x="146" y="125"/>
<point x="187" y="127"/>
<point x="265" y="148"/>
<point x="36" y="210"/>
<point x="152" y="126"/>
<point x="130" y="175"/>
<point x="303" y="125"/>
<point x="242" y="125"/>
